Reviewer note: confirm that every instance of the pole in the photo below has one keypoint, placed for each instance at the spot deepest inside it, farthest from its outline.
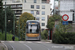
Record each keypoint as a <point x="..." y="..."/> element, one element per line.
<point x="54" y="7"/>
<point x="5" y="23"/>
<point x="19" y="28"/>
<point x="14" y="25"/>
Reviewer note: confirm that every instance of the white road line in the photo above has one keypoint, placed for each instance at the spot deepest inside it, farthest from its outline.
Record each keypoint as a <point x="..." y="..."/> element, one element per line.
<point x="12" y="47"/>
<point x="21" y="42"/>
<point x="11" y="41"/>
<point x="28" y="47"/>
<point x="5" y="46"/>
<point x="29" y="42"/>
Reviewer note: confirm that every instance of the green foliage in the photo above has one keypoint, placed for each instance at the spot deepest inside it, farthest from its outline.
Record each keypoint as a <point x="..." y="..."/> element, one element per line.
<point x="64" y="38"/>
<point x="51" y="21"/>
<point x="9" y="37"/>
<point x="1" y="15"/>
<point x="44" y="34"/>
<point x="1" y="6"/>
<point x="22" y="21"/>
<point x="63" y="35"/>
<point x="63" y="28"/>
<point x="10" y="15"/>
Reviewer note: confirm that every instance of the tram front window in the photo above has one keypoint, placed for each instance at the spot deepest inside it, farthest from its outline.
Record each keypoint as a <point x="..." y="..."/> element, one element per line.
<point x="33" y="29"/>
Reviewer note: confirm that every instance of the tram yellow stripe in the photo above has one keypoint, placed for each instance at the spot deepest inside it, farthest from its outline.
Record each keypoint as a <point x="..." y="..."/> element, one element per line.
<point x="32" y="35"/>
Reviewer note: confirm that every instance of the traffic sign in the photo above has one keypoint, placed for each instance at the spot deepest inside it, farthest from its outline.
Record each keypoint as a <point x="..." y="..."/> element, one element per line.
<point x="65" y="17"/>
<point x="65" y="22"/>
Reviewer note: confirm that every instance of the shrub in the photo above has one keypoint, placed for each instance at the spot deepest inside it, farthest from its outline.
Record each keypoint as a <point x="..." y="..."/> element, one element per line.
<point x="64" y="38"/>
<point x="44" y="34"/>
<point x="9" y="37"/>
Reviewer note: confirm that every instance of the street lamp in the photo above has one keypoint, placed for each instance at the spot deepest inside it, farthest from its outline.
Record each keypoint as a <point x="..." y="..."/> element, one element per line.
<point x="5" y="22"/>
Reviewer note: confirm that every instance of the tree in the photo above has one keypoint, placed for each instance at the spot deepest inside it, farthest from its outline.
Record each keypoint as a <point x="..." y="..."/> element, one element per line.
<point x="1" y="6"/>
<point x="22" y="20"/>
<point x="10" y="15"/>
<point x="51" y="21"/>
<point x="1" y="16"/>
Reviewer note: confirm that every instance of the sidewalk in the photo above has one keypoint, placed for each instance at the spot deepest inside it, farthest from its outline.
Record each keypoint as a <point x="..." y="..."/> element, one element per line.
<point x="65" y="46"/>
<point x="2" y="46"/>
<point x="61" y="46"/>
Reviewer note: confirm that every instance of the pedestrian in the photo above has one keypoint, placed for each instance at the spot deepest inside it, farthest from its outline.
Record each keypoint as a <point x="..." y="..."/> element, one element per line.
<point x="13" y="38"/>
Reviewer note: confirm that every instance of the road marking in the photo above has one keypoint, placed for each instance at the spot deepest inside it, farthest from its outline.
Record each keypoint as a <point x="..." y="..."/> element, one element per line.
<point x="5" y="46"/>
<point x="28" y="47"/>
<point x="11" y="41"/>
<point x="21" y="42"/>
<point x="29" y="42"/>
<point x="12" y="47"/>
<point x="69" y="47"/>
<point x="57" y="46"/>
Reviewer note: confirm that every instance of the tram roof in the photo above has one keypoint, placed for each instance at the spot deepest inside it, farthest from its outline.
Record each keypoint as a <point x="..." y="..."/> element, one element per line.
<point x="32" y="21"/>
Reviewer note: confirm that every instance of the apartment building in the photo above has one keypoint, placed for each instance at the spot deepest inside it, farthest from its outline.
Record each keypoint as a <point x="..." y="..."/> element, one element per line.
<point x="39" y="8"/>
<point x="15" y="5"/>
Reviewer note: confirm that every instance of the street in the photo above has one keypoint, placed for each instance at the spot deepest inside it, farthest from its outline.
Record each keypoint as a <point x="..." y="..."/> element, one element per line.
<point x="36" y="45"/>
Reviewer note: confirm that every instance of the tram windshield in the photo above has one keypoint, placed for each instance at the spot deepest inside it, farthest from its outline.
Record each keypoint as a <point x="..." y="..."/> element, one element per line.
<point x="32" y="29"/>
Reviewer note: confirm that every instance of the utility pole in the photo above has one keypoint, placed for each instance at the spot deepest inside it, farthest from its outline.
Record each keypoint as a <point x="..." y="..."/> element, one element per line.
<point x="14" y="24"/>
<point x="5" y="23"/>
<point x="19" y="28"/>
<point x="54" y="7"/>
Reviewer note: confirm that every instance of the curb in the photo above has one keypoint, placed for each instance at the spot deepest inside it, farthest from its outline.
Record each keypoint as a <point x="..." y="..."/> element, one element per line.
<point x="47" y="41"/>
<point x="6" y="48"/>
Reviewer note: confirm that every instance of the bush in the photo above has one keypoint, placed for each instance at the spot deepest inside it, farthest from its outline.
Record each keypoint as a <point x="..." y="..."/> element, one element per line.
<point x="44" y="34"/>
<point x="9" y="37"/>
<point x="64" y="38"/>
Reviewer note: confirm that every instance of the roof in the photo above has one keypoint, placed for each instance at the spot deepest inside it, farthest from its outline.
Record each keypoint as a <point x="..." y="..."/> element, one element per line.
<point x="32" y="21"/>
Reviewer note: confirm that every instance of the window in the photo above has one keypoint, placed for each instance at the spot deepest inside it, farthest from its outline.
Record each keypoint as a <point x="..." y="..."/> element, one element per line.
<point x="43" y="18"/>
<point x="43" y="6"/>
<point x="37" y="12"/>
<point x="43" y="12"/>
<point x="34" y="1"/>
<point x="25" y="1"/>
<point x="43" y="24"/>
<point x="44" y="1"/>
<point x="19" y="5"/>
<point x="37" y="18"/>
<point x="32" y="6"/>
<point x="32" y="12"/>
<point x="37" y="7"/>
<point x="32" y="29"/>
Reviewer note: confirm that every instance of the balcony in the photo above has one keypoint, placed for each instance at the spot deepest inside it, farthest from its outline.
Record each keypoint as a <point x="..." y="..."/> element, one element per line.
<point x="13" y="1"/>
<point x="45" y="1"/>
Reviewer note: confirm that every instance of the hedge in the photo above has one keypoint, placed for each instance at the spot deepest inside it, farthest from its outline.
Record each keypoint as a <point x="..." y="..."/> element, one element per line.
<point x="64" y="38"/>
<point x="9" y="37"/>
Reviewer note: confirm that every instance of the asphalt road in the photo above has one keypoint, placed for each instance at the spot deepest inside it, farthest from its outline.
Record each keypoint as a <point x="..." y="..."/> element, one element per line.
<point x="36" y="45"/>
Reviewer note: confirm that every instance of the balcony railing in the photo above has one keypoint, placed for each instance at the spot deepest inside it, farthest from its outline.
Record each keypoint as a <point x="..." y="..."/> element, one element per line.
<point x="12" y="1"/>
<point x="45" y="1"/>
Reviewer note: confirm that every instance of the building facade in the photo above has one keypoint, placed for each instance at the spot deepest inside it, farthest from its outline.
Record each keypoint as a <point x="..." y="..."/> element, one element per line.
<point x="39" y="8"/>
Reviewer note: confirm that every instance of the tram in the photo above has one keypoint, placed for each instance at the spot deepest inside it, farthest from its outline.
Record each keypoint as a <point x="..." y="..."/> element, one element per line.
<point x="32" y="30"/>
